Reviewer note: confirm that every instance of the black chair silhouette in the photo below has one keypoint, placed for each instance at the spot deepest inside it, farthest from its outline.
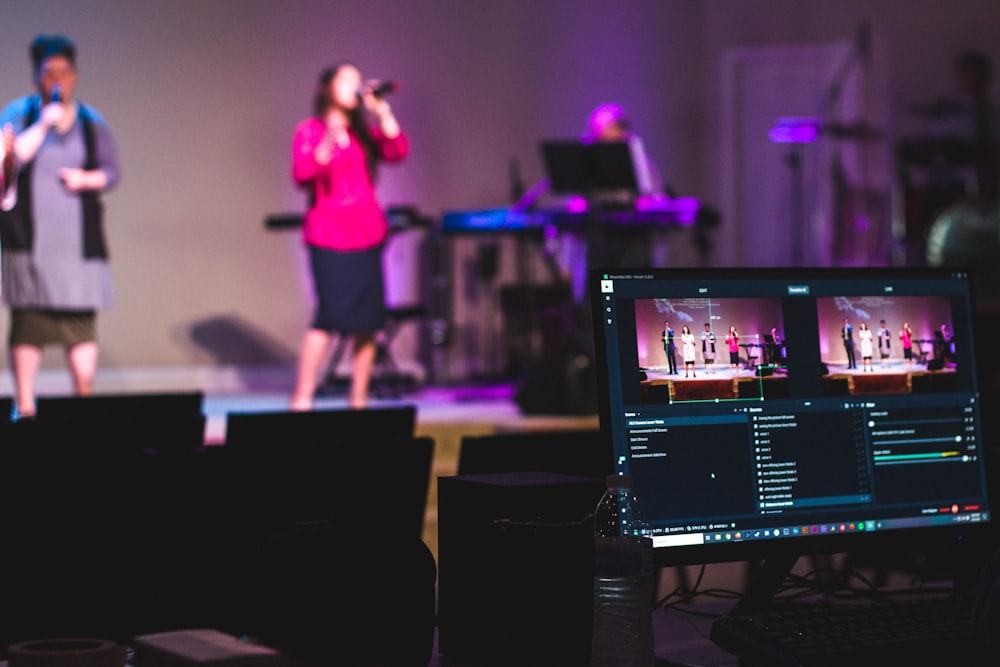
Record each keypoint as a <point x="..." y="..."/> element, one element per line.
<point x="109" y="423"/>
<point x="164" y="422"/>
<point x="95" y="434"/>
<point x="336" y="553"/>
<point x="117" y="544"/>
<point x="254" y="429"/>
<point x="120" y="405"/>
<point x="364" y="562"/>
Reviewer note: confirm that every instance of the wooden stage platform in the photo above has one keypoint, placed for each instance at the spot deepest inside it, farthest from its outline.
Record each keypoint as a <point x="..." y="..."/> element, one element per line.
<point x="713" y="387"/>
<point x="667" y="389"/>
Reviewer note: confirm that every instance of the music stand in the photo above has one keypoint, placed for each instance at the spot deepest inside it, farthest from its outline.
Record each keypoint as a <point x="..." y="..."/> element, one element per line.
<point x="575" y="167"/>
<point x="604" y="173"/>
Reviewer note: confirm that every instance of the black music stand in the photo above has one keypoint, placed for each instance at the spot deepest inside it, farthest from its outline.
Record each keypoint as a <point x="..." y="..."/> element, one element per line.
<point x="770" y="349"/>
<point x="604" y="173"/>
<point x="576" y="167"/>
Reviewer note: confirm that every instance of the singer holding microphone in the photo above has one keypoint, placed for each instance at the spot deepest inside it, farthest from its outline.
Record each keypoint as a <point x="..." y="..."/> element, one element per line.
<point x="335" y="156"/>
<point x="55" y="258"/>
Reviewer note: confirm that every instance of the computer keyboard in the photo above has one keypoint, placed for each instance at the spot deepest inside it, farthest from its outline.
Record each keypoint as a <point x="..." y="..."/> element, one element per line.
<point x="929" y="631"/>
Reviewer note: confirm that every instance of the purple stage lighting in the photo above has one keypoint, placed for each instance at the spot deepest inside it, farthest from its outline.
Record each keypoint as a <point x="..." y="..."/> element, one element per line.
<point x="795" y="130"/>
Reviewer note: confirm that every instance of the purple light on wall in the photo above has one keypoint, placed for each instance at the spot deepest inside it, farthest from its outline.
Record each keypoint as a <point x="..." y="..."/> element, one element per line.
<point x="795" y="130"/>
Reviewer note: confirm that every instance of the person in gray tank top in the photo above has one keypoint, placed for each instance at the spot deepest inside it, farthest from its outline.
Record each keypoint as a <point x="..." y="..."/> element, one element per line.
<point x="54" y="252"/>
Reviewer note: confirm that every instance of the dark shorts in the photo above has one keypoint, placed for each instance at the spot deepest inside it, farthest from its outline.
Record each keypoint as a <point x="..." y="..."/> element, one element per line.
<point x="349" y="290"/>
<point x="734" y="357"/>
<point x="907" y="352"/>
<point x="30" y="326"/>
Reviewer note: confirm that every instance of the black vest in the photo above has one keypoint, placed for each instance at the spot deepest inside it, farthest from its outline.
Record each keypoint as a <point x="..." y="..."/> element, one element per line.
<point x="17" y="226"/>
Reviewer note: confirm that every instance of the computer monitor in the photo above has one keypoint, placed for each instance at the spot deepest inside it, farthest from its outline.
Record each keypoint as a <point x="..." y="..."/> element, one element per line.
<point x="741" y="462"/>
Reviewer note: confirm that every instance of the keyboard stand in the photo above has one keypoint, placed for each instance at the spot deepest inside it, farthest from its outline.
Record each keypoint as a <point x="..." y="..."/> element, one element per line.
<point x="387" y="380"/>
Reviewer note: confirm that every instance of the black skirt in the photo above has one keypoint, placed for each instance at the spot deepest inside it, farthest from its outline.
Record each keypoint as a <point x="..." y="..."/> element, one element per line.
<point x="350" y="297"/>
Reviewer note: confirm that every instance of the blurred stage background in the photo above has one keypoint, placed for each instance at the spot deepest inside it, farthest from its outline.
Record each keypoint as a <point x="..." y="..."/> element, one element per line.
<point x="203" y="98"/>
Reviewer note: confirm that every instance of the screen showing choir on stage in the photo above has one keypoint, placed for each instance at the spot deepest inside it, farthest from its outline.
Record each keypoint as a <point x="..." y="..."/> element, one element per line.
<point x="791" y="408"/>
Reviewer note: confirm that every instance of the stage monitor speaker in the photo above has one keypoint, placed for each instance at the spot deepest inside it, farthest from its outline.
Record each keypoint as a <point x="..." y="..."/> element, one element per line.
<point x="935" y="364"/>
<point x="515" y="567"/>
<point x="764" y="371"/>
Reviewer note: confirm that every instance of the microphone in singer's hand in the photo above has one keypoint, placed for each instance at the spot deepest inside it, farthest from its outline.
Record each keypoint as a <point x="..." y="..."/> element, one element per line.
<point x="384" y="88"/>
<point x="56" y="93"/>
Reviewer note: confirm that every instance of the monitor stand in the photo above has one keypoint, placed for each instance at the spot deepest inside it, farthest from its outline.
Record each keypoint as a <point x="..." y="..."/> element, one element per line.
<point x="960" y="563"/>
<point x="764" y="581"/>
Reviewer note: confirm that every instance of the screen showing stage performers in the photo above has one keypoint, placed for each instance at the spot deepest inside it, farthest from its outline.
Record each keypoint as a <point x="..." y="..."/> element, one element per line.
<point x="759" y="347"/>
<point x="700" y="349"/>
<point x="776" y="404"/>
<point x="886" y="344"/>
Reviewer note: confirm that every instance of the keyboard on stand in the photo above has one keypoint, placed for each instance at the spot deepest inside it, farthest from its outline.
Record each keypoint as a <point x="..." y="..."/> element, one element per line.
<point x="928" y="631"/>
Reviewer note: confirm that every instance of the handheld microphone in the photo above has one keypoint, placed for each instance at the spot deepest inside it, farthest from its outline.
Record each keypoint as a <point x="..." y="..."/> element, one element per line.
<point x="56" y="93"/>
<point x="385" y="87"/>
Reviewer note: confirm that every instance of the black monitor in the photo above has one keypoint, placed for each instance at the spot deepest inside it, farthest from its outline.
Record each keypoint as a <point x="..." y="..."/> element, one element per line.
<point x="577" y="167"/>
<point x="742" y="462"/>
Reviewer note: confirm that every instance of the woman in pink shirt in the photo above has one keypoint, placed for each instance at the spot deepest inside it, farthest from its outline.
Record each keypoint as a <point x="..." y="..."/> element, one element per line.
<point x="334" y="158"/>
<point x="733" y="342"/>
<point x="906" y="335"/>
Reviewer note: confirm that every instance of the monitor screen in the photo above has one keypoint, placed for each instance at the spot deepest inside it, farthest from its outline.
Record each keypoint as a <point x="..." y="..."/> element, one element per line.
<point x="804" y="411"/>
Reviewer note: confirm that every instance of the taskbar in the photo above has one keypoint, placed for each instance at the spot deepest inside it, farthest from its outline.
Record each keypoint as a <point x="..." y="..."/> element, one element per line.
<point x="803" y="530"/>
